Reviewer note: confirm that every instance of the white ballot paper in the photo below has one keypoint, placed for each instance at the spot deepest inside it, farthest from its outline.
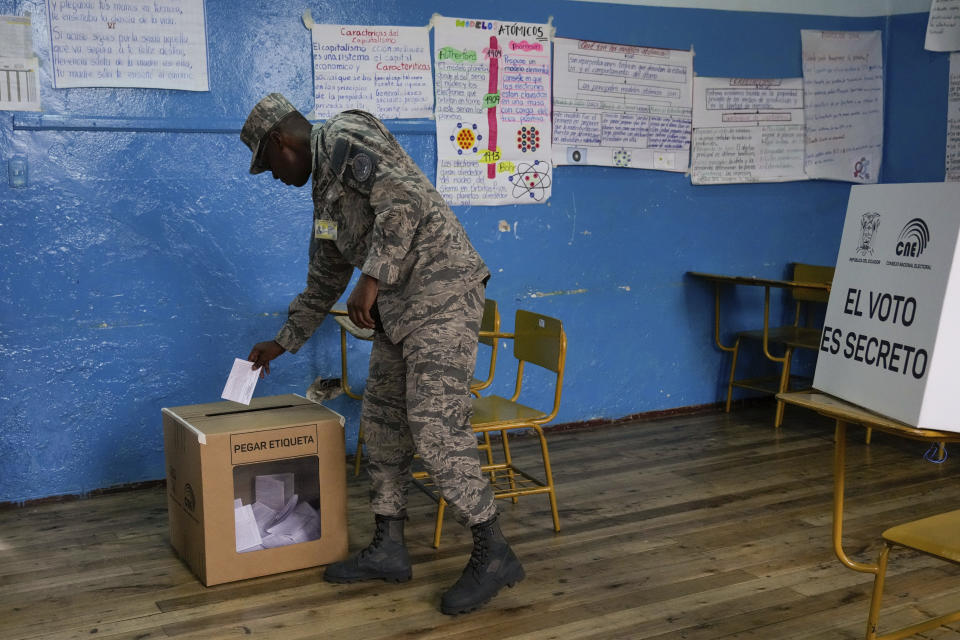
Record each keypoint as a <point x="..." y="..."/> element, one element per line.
<point x="241" y="382"/>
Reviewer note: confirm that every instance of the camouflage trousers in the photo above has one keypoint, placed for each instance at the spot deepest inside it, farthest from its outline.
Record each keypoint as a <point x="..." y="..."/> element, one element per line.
<point x="417" y="400"/>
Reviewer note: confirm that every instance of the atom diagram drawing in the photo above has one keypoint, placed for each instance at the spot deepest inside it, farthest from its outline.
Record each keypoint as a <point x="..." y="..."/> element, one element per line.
<point x="531" y="179"/>
<point x="528" y="139"/>
<point x="621" y="158"/>
<point x="466" y="138"/>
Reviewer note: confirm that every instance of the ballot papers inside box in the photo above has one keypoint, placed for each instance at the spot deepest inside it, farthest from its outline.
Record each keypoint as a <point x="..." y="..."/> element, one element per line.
<point x="254" y="490"/>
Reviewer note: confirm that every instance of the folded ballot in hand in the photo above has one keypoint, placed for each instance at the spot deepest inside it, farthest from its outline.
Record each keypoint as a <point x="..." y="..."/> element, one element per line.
<point x="241" y="382"/>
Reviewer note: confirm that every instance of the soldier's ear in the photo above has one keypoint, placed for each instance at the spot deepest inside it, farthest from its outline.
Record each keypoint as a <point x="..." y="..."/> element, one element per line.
<point x="277" y="137"/>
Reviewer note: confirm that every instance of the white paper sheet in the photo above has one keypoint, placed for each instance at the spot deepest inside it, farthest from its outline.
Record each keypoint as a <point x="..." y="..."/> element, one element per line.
<point x="621" y="105"/>
<point x="241" y="382"/>
<point x="747" y="130"/>
<point x="843" y="100"/>
<point x="952" y="173"/>
<point x="247" y="532"/>
<point x="493" y="111"/>
<point x="19" y="84"/>
<point x="265" y="517"/>
<point x="274" y="490"/>
<point x="16" y="39"/>
<point x="161" y="44"/>
<point x="385" y="70"/>
<point x="943" y="26"/>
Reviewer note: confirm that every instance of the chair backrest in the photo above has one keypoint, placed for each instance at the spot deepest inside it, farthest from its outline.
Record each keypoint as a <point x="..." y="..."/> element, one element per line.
<point x="490" y="323"/>
<point x="812" y="273"/>
<point x="540" y="340"/>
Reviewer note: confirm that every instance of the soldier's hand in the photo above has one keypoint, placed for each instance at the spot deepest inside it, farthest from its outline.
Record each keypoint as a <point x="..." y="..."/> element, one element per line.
<point x="262" y="353"/>
<point x="361" y="301"/>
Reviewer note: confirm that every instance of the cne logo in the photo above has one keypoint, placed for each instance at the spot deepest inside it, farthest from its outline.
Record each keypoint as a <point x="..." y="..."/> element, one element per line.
<point x="913" y="239"/>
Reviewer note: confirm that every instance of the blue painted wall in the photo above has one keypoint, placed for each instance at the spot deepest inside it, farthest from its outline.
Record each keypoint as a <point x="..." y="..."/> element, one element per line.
<point x="138" y="264"/>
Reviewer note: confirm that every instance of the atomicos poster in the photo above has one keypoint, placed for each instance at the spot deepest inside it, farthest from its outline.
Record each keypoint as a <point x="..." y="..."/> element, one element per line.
<point x="492" y="111"/>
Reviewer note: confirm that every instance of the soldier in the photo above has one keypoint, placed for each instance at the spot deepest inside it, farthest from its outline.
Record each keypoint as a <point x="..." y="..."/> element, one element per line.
<point x="421" y="288"/>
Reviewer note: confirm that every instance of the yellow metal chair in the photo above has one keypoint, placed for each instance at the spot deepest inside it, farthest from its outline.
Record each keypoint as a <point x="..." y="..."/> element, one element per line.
<point x="538" y="340"/>
<point x="347" y="326"/>
<point x="935" y="536"/>
<point x="788" y="338"/>
<point x="489" y="329"/>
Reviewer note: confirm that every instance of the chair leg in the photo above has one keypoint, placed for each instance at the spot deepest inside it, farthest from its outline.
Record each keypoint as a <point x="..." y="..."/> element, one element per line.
<point x="877" y="593"/>
<point x="508" y="459"/>
<point x="359" y="455"/>
<point x="784" y="385"/>
<point x="438" y="527"/>
<point x="548" y="474"/>
<point x="733" y="371"/>
<point x="488" y="448"/>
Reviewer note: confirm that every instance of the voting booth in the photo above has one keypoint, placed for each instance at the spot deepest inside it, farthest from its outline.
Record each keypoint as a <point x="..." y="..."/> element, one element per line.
<point x="254" y="490"/>
<point x="891" y="336"/>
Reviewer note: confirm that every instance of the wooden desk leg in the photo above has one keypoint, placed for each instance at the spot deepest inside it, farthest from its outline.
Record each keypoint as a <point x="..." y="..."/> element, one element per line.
<point x="839" y="472"/>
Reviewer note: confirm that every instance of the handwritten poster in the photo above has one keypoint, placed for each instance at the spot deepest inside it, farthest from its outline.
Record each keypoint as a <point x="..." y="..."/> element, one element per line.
<point x="160" y="44"/>
<point x="19" y="83"/>
<point x="493" y="111"/>
<point x="621" y="105"/>
<point x="953" y="121"/>
<point x="383" y="70"/>
<point x="747" y="130"/>
<point x="843" y="99"/>
<point x="943" y="26"/>
<point x="16" y="39"/>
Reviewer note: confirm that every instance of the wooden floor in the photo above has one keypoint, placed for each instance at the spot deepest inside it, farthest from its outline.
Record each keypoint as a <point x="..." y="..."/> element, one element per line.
<point x="696" y="527"/>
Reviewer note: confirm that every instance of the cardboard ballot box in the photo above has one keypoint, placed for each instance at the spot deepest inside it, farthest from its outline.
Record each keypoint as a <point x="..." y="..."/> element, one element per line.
<point x="891" y="337"/>
<point x="254" y="490"/>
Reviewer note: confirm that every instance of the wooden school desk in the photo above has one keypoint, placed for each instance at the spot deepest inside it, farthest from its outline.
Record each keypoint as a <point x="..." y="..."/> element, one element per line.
<point x="788" y="338"/>
<point x="938" y="535"/>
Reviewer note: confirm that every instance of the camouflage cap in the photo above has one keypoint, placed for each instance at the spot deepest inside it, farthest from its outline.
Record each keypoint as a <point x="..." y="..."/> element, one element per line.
<point x="263" y="117"/>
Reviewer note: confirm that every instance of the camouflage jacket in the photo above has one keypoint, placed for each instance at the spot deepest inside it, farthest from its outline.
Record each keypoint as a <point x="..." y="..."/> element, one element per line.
<point x="375" y="210"/>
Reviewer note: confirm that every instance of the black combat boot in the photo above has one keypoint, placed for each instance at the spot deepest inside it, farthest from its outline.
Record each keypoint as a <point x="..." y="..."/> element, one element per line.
<point x="385" y="558"/>
<point x="492" y="564"/>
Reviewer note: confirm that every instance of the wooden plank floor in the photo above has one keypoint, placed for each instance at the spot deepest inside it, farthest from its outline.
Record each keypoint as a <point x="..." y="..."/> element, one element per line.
<point x="695" y="527"/>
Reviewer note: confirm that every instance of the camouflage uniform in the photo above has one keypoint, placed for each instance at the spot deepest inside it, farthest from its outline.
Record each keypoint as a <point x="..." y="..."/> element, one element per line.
<point x="376" y="211"/>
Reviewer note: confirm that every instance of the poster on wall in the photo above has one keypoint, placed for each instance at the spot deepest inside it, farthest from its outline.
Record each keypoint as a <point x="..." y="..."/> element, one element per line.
<point x="621" y="105"/>
<point x="384" y="70"/>
<point x="19" y="82"/>
<point x="843" y="99"/>
<point x="952" y="173"/>
<point x="161" y="44"/>
<point x="943" y="26"/>
<point x="889" y="340"/>
<point x="747" y="130"/>
<point x="492" y="111"/>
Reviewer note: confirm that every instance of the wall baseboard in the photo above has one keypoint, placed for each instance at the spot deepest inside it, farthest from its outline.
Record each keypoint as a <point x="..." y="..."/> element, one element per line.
<point x="586" y="425"/>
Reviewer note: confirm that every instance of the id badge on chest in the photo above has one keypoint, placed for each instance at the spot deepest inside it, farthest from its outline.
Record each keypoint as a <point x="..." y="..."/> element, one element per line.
<point x="324" y="229"/>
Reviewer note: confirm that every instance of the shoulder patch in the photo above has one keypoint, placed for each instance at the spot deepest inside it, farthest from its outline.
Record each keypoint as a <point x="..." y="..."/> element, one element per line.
<point x="353" y="164"/>
<point x="362" y="166"/>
